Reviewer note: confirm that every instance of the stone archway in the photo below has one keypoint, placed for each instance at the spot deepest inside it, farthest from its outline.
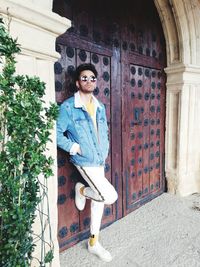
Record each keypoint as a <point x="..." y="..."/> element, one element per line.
<point x="180" y="20"/>
<point x="180" y="24"/>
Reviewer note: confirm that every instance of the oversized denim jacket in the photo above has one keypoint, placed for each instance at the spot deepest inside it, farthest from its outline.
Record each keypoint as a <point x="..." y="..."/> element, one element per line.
<point x="74" y="125"/>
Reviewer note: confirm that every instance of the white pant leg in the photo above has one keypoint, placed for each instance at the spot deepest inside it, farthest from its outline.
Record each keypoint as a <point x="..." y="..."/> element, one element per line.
<point x="102" y="192"/>
<point x="103" y="189"/>
<point x="97" y="209"/>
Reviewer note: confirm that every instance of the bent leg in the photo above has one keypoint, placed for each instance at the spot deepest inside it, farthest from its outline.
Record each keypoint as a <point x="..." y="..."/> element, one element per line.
<point x="101" y="192"/>
<point x="100" y="189"/>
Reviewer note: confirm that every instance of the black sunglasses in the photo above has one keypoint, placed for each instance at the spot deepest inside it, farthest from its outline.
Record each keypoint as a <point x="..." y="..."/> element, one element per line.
<point x="86" y="79"/>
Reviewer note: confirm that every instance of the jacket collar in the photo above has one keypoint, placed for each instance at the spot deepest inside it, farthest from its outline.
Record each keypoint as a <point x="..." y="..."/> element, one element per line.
<point x="78" y="103"/>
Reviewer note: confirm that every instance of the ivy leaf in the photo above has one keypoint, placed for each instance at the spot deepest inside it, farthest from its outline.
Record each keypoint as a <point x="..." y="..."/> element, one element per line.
<point x="48" y="257"/>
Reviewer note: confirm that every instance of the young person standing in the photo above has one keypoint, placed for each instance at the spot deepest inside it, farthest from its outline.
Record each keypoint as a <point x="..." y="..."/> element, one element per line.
<point x="83" y="132"/>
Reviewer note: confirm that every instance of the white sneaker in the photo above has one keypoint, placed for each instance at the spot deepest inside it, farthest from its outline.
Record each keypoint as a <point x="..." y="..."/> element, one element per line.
<point x="80" y="200"/>
<point x="99" y="251"/>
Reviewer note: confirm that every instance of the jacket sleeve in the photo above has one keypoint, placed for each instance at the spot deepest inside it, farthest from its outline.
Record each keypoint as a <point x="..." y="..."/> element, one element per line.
<point x="62" y="125"/>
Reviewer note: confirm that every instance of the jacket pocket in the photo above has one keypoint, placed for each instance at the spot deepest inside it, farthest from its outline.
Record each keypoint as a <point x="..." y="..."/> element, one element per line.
<point x="86" y="152"/>
<point x="82" y="129"/>
<point x="85" y="157"/>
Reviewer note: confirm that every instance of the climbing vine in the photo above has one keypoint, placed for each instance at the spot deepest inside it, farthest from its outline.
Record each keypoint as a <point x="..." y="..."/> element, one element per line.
<point x="25" y="131"/>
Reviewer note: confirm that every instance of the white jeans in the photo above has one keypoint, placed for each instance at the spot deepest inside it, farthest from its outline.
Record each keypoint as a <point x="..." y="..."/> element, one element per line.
<point x="100" y="192"/>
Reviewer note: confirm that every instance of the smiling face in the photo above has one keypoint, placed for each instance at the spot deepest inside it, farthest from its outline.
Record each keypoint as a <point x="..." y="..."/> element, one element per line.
<point x="87" y="82"/>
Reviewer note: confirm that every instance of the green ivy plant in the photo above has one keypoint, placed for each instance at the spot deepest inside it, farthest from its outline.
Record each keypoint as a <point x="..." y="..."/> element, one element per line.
<point x="25" y="130"/>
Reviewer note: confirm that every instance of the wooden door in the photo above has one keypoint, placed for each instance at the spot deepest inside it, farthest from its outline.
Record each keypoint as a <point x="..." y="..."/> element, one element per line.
<point x="126" y="45"/>
<point x="143" y="106"/>
<point x="143" y="135"/>
<point x="73" y="225"/>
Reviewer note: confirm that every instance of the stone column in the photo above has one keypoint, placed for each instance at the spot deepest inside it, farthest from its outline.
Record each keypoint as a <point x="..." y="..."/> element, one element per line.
<point x="36" y="28"/>
<point x="183" y="129"/>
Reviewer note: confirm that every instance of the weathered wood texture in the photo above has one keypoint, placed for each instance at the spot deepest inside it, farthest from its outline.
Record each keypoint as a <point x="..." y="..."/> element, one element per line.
<point x="127" y="46"/>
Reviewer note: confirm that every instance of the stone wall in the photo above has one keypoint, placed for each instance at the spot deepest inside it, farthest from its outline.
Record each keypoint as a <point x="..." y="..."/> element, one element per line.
<point x="36" y="27"/>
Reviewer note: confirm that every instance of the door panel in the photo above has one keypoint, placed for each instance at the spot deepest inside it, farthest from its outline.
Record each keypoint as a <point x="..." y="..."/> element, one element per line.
<point x="144" y="145"/>
<point x="74" y="225"/>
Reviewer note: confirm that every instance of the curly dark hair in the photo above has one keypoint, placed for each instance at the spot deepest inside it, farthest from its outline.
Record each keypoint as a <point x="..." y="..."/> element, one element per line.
<point x="82" y="67"/>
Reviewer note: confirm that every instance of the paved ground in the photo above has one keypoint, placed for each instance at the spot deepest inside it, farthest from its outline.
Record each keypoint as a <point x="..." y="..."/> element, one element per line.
<point x="163" y="233"/>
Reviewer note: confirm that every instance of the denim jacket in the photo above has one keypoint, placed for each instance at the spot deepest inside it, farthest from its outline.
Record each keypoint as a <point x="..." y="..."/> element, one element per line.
<point x="74" y="125"/>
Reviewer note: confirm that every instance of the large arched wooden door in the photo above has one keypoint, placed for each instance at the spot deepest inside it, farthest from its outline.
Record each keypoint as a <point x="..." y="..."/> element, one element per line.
<point x="127" y="47"/>
<point x="143" y="105"/>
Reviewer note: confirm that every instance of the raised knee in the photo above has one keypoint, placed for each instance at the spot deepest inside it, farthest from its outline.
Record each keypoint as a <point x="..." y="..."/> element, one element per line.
<point x="111" y="198"/>
<point x="115" y="196"/>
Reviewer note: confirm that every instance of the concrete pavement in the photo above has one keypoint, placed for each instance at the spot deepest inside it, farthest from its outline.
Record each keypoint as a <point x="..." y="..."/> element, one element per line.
<point x="162" y="233"/>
